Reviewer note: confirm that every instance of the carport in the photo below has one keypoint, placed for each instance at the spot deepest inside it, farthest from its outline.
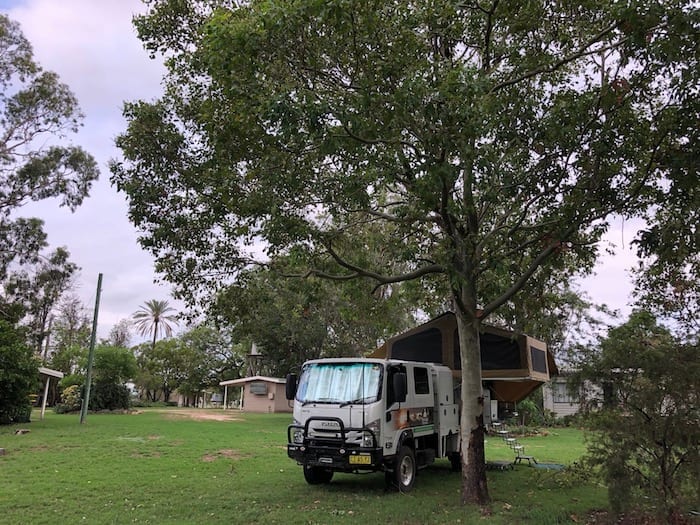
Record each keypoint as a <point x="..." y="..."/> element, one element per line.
<point x="48" y="374"/>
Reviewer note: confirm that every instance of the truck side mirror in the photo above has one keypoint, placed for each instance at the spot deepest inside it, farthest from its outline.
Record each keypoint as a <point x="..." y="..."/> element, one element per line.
<point x="290" y="389"/>
<point x="400" y="387"/>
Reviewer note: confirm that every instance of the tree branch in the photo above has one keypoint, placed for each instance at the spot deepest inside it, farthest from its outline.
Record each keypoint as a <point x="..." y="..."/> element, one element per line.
<point x="520" y="282"/>
<point x="582" y="51"/>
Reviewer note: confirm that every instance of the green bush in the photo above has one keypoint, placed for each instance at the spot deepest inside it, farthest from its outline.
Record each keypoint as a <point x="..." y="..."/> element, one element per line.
<point x="19" y="376"/>
<point x="72" y="379"/>
<point x="109" y="396"/>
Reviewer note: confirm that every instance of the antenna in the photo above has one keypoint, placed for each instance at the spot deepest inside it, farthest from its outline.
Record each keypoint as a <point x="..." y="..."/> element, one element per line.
<point x="364" y="394"/>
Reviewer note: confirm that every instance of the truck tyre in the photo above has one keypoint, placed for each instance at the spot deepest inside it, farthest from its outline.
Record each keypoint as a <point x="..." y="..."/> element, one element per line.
<point x="405" y="469"/>
<point x="317" y="475"/>
<point x="456" y="462"/>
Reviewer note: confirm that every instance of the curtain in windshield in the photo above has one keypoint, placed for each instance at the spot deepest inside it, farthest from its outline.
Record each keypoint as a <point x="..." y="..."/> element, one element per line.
<point x="340" y="383"/>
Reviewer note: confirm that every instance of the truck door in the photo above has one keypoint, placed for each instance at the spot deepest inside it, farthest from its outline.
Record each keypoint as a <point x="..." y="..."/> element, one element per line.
<point x="421" y="401"/>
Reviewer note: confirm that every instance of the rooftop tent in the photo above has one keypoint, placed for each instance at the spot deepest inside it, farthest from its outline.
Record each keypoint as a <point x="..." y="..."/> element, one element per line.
<point x="512" y="364"/>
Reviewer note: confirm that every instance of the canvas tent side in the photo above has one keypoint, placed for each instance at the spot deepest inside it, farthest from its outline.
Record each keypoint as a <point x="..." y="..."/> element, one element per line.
<point x="512" y="365"/>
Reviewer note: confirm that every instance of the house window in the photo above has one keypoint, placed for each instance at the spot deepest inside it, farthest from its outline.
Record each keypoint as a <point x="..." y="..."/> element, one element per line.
<point x="258" y="388"/>
<point x="561" y="393"/>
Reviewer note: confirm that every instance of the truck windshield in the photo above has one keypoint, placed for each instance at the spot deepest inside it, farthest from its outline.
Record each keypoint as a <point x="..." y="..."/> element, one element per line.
<point x="344" y="383"/>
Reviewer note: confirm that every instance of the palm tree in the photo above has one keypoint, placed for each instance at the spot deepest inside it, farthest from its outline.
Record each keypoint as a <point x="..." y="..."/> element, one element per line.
<point x="152" y="317"/>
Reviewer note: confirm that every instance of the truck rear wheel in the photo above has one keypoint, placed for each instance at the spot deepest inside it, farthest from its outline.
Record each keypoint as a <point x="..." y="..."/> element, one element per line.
<point x="317" y="475"/>
<point x="405" y="469"/>
<point x="456" y="462"/>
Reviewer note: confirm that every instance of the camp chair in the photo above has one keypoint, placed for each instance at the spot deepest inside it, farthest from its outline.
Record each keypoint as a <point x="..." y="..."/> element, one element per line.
<point x="520" y="454"/>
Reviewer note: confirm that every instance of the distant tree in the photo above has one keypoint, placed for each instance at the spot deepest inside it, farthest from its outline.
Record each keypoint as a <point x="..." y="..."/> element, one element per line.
<point x="208" y="356"/>
<point x="147" y="376"/>
<point x="114" y="364"/>
<point x="113" y="367"/>
<point x="292" y="320"/>
<point x="120" y="334"/>
<point x="19" y="375"/>
<point x="70" y="336"/>
<point x="39" y="288"/>
<point x="162" y="368"/>
<point x="154" y="317"/>
<point x="646" y="435"/>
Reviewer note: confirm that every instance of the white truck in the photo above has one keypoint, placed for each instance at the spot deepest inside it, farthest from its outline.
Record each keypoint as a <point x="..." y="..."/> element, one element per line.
<point x="364" y="414"/>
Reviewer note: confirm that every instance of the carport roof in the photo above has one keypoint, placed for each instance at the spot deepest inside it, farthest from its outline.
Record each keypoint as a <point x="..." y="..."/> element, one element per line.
<point x="49" y="372"/>
<point x="245" y="380"/>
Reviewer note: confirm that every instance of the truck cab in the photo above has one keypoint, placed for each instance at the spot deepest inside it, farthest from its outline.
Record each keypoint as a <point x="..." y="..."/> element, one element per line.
<point x="360" y="414"/>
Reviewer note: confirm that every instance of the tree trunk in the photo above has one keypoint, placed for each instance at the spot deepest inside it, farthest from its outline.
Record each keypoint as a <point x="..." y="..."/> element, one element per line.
<point x="474" y="487"/>
<point x="155" y="334"/>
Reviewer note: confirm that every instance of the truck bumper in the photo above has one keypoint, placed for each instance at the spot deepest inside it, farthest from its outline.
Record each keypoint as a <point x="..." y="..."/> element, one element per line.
<point x="338" y="459"/>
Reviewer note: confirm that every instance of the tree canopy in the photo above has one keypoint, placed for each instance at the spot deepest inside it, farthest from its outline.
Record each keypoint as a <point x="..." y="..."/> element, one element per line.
<point x="154" y="317"/>
<point x="35" y="109"/>
<point x="492" y="141"/>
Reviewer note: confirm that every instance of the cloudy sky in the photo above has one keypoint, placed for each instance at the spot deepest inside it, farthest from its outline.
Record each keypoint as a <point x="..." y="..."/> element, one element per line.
<point x="93" y="47"/>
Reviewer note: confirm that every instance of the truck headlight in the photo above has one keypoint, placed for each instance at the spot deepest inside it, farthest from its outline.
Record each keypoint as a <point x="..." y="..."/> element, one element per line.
<point x="298" y="436"/>
<point x="369" y="435"/>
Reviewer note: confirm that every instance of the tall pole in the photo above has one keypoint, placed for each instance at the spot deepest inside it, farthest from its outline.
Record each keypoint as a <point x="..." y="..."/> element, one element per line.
<point x="91" y="354"/>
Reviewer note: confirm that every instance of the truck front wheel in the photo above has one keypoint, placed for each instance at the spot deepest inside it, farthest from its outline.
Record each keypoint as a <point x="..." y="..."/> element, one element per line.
<point x="405" y="469"/>
<point x="317" y="475"/>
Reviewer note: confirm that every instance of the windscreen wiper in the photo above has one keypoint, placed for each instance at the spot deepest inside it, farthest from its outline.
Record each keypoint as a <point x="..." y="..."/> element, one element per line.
<point x="358" y="401"/>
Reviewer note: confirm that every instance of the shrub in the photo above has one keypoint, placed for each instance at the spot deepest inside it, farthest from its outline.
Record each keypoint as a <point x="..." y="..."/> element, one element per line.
<point x="109" y="396"/>
<point x="72" y="379"/>
<point x="70" y="400"/>
<point x="18" y="376"/>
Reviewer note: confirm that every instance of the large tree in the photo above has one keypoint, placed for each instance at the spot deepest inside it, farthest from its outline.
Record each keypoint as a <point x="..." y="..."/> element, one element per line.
<point x="35" y="110"/>
<point x="491" y="139"/>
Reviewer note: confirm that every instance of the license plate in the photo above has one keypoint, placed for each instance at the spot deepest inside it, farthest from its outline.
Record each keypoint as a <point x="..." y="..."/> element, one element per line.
<point x="361" y="460"/>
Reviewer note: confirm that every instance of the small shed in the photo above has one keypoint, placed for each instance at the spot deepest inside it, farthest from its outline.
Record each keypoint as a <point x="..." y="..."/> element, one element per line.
<point x="259" y="394"/>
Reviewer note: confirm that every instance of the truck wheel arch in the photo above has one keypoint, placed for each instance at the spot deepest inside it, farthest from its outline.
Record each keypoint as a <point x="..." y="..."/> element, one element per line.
<point x="406" y="440"/>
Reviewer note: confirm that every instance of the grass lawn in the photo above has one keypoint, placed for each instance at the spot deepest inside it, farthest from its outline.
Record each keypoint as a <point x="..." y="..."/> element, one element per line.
<point x="167" y="467"/>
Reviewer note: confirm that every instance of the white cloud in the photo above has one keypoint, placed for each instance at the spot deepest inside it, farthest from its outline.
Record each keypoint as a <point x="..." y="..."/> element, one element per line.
<point x="611" y="282"/>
